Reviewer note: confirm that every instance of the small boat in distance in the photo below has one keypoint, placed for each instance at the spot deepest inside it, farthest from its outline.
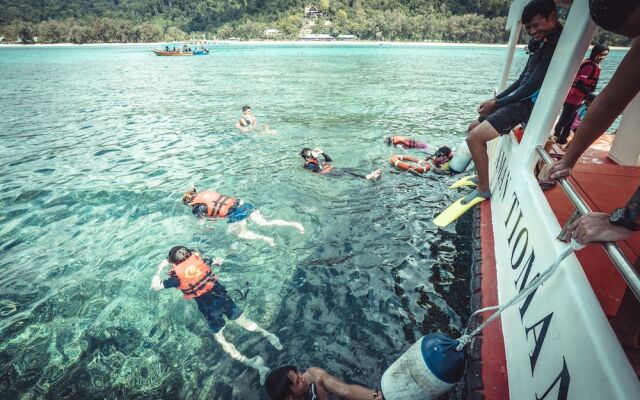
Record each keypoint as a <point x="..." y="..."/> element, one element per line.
<point x="184" y="50"/>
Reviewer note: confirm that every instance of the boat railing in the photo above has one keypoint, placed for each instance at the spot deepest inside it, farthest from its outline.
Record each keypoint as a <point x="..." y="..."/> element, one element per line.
<point x="621" y="262"/>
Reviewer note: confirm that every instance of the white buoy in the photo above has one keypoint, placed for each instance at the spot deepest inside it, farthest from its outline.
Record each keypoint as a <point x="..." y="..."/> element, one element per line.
<point x="429" y="368"/>
<point x="461" y="159"/>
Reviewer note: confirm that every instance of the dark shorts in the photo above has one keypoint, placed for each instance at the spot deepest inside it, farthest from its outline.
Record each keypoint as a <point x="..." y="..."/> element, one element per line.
<point x="217" y="304"/>
<point x="508" y="117"/>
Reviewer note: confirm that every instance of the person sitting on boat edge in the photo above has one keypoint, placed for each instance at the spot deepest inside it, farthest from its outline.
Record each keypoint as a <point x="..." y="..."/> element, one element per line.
<point x="584" y="84"/>
<point x="514" y="105"/>
<point x="211" y="204"/>
<point x="621" y="17"/>
<point x="405" y="143"/>
<point x="287" y="383"/>
<point x="247" y="120"/>
<point x="313" y="163"/>
<point x="192" y="275"/>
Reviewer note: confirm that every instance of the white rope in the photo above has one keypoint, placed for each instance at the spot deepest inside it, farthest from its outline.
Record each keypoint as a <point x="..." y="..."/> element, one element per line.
<point x="539" y="280"/>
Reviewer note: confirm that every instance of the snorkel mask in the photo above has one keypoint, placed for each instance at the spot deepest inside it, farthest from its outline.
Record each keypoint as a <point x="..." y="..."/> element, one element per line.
<point x="306" y="153"/>
<point x="442" y="156"/>
<point x="387" y="140"/>
<point x="188" y="196"/>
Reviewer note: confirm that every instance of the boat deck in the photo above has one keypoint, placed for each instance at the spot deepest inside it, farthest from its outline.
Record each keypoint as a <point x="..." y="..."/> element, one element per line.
<point x="604" y="186"/>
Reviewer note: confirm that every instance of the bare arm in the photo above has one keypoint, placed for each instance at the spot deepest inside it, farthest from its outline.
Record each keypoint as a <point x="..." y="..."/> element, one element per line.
<point x="595" y="227"/>
<point x="156" y="282"/>
<point x="623" y="87"/>
<point x="350" y="392"/>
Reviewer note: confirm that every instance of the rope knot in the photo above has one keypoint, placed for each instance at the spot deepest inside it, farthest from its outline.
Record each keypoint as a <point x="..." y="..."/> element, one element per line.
<point x="463" y="341"/>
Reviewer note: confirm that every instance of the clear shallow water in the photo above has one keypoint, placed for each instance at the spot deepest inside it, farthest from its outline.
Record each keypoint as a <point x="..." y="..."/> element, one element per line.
<point x="98" y="143"/>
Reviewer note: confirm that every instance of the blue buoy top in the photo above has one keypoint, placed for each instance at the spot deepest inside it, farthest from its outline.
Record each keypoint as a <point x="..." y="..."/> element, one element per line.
<point x="440" y="355"/>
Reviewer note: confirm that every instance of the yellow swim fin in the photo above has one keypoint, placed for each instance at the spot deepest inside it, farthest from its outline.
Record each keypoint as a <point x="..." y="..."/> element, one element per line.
<point x="461" y="206"/>
<point x="470" y="180"/>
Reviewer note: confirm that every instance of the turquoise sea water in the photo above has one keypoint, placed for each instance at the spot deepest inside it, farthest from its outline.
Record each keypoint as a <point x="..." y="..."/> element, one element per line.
<point x="98" y="144"/>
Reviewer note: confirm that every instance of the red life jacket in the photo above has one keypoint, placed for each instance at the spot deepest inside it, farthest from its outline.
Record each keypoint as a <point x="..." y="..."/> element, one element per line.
<point x="217" y="204"/>
<point x="589" y="73"/>
<point x="325" y="167"/>
<point x="195" y="277"/>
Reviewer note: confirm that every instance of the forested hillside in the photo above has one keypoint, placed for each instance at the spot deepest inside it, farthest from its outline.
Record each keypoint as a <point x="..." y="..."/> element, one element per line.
<point x="86" y="21"/>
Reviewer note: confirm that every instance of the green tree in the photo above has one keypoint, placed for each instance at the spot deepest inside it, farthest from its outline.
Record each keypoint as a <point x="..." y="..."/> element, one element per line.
<point x="225" y="31"/>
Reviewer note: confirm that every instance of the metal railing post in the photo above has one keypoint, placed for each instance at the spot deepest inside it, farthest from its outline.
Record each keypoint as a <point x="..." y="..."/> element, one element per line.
<point x="621" y="262"/>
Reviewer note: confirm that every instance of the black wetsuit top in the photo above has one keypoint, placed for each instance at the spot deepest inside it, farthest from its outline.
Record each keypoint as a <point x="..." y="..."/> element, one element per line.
<point x="531" y="78"/>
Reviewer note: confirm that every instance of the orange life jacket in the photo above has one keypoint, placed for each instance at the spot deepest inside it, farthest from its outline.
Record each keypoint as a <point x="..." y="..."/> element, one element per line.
<point x="195" y="277"/>
<point x="217" y="204"/>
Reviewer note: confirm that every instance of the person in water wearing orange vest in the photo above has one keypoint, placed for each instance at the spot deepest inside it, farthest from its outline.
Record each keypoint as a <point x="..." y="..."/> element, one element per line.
<point x="406" y="143"/>
<point x="584" y="84"/>
<point x="210" y="204"/>
<point x="287" y="383"/>
<point x="313" y="163"/>
<point x="192" y="275"/>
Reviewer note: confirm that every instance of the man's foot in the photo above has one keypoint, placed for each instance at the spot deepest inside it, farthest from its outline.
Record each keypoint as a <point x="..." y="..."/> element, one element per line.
<point x="274" y="341"/>
<point x="375" y="175"/>
<point x="298" y="226"/>
<point x="257" y="362"/>
<point x="476" y="193"/>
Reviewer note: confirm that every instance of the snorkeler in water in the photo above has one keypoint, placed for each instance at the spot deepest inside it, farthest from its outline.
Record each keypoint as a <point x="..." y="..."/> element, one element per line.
<point x="248" y="120"/>
<point x="440" y="160"/>
<point x="313" y="163"/>
<point x="210" y="204"/>
<point x="406" y="143"/>
<point x="288" y="383"/>
<point x="192" y="275"/>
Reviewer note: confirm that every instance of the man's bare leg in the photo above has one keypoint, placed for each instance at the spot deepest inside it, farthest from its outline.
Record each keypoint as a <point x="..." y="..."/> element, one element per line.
<point x="477" y="142"/>
<point x="253" y="327"/>
<point x="256" y="362"/>
<point x="240" y="229"/>
<point x="260" y="220"/>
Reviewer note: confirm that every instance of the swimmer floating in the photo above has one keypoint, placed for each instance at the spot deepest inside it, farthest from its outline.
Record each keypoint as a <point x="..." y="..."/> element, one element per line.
<point x="192" y="275"/>
<point x="313" y="163"/>
<point x="210" y="204"/>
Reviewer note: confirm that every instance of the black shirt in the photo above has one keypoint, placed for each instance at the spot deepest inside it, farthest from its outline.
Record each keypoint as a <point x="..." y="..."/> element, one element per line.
<point x="531" y="78"/>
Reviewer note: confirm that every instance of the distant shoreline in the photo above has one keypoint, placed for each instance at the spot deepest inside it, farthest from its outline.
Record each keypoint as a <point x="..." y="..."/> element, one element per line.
<point x="278" y="42"/>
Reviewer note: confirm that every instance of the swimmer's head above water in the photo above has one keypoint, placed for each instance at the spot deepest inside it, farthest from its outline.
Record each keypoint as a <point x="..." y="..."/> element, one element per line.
<point x="308" y="153"/>
<point x="285" y="381"/>
<point x="387" y="140"/>
<point x="188" y="196"/>
<point x="178" y="254"/>
<point x="305" y="153"/>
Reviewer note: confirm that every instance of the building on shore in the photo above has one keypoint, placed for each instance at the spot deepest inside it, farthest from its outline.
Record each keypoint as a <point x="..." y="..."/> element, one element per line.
<point x="271" y="33"/>
<point x="346" y="37"/>
<point x="312" y="12"/>
<point x="318" y="37"/>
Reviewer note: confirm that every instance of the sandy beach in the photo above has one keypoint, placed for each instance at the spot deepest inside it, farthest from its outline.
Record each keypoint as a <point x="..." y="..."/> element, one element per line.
<point x="278" y="43"/>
